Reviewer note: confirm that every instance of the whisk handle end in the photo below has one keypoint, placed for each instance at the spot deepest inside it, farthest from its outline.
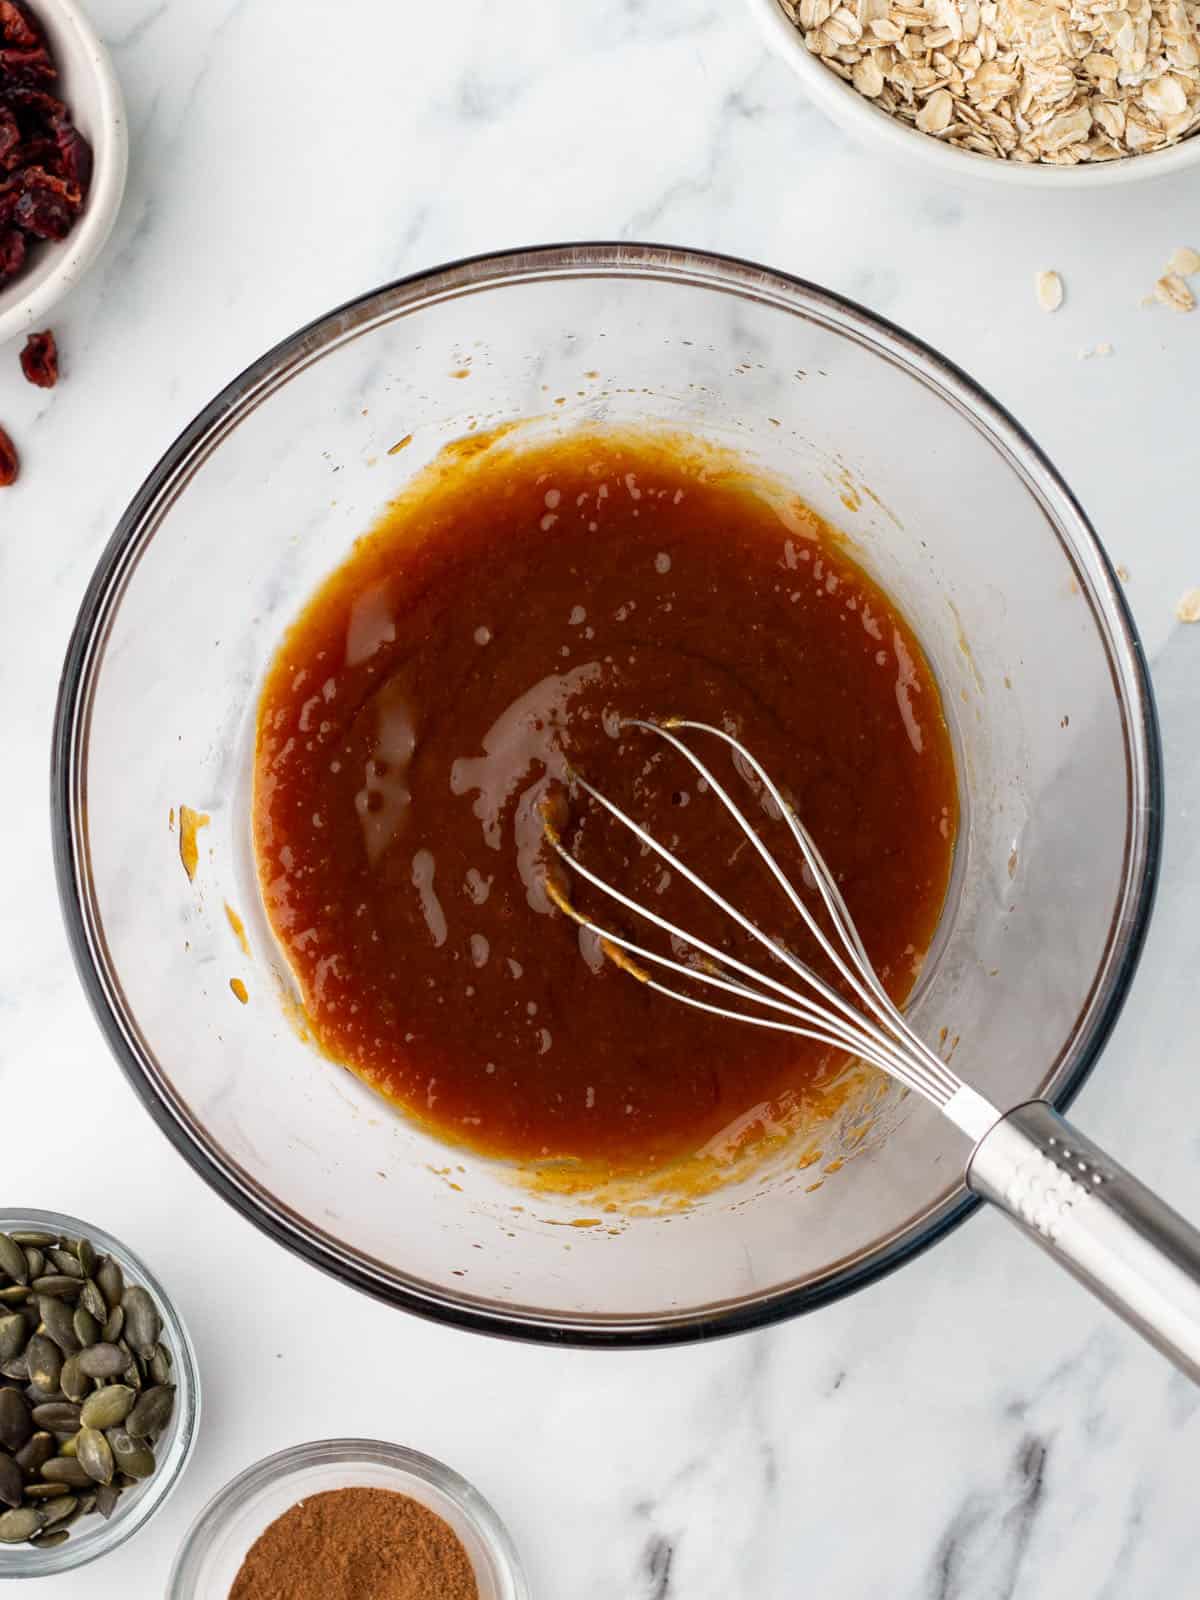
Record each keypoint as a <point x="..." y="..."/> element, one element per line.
<point x="1108" y="1229"/>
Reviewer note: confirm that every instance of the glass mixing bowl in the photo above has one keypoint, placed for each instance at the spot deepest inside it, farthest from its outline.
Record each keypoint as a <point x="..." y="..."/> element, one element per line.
<point x="948" y="504"/>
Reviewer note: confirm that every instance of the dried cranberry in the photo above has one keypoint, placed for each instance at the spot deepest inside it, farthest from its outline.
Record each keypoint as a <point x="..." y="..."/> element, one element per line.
<point x="10" y="463"/>
<point x="47" y="205"/>
<point x="27" y="66"/>
<point x="10" y="131"/>
<point x="12" y="253"/>
<point x="34" y="153"/>
<point x="74" y="156"/>
<point x="17" y="27"/>
<point x="45" y="162"/>
<point x="39" y="359"/>
<point x="36" y="106"/>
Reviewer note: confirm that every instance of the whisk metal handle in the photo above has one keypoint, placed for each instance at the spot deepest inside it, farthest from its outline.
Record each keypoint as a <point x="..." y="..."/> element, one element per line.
<point x="1130" y="1248"/>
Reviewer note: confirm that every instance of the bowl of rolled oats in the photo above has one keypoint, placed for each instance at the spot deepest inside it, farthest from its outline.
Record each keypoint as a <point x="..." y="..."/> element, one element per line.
<point x="1065" y="92"/>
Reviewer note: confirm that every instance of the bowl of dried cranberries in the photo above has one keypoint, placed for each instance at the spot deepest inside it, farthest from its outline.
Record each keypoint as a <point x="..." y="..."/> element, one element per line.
<point x="63" y="155"/>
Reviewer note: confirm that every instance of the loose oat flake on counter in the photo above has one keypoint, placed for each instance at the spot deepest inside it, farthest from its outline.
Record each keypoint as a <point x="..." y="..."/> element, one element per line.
<point x="1022" y="80"/>
<point x="1172" y="291"/>
<point x="1049" y="288"/>
<point x="1184" y="262"/>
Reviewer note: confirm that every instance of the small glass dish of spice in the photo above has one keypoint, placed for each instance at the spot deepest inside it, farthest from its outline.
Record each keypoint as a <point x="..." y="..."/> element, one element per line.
<point x="342" y="1519"/>
<point x="99" y="1394"/>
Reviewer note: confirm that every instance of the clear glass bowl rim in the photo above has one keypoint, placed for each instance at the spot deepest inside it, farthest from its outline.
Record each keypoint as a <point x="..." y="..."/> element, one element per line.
<point x="691" y="268"/>
<point x="103" y="1537"/>
<point x="349" y="1452"/>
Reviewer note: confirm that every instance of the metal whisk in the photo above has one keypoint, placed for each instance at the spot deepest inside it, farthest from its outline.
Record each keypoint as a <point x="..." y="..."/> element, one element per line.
<point x="1141" y="1257"/>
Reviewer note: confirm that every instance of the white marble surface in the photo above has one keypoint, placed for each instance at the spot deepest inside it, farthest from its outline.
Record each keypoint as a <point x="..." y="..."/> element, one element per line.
<point x="972" y="1428"/>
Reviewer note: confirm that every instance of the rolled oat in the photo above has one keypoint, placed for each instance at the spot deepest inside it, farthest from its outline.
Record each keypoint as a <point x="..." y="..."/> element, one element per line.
<point x="1049" y="289"/>
<point x="1059" y="81"/>
<point x="1170" y="290"/>
<point x="1184" y="262"/>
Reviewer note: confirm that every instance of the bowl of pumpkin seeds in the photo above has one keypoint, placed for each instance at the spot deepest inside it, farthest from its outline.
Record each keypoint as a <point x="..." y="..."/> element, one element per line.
<point x="99" y="1397"/>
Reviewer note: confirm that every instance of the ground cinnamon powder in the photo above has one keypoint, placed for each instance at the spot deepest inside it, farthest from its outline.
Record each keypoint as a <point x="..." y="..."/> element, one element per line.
<point x="356" y="1544"/>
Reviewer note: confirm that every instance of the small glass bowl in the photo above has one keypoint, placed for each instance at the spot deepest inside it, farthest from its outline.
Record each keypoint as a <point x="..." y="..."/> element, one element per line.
<point x="93" y="1536"/>
<point x="218" y="1540"/>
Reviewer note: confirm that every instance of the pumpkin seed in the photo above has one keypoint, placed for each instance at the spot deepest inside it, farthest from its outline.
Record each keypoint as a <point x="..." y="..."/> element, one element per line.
<point x="17" y="1526"/>
<point x="152" y="1411"/>
<point x="92" y="1300"/>
<point x="57" y="1416"/>
<point x="111" y="1281"/>
<point x="106" y="1499"/>
<point x="67" y="1470"/>
<point x="34" y="1454"/>
<point x="112" y="1405"/>
<point x="48" y="1541"/>
<point x="15" y="1426"/>
<point x="103" y="1360"/>
<point x="59" y="1322"/>
<point x="58" y="1284"/>
<point x="142" y="1321"/>
<point x="95" y="1455"/>
<point x="12" y="1483"/>
<point x="12" y="1335"/>
<point x="86" y="1328"/>
<point x="12" y="1260"/>
<point x="61" y="1513"/>
<point x="66" y="1263"/>
<point x="44" y="1360"/>
<point x="75" y="1385"/>
<point x="134" y="1457"/>
<point x="82" y="1362"/>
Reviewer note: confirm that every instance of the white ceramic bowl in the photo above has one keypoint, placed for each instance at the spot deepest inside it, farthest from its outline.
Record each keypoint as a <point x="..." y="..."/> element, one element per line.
<point x="875" y="129"/>
<point x="88" y="85"/>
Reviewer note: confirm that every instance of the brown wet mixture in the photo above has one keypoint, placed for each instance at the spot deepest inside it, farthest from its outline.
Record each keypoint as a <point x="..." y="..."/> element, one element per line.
<point x="490" y="635"/>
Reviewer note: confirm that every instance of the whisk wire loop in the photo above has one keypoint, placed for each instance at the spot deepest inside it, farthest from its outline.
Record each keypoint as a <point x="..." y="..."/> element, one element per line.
<point x="883" y="1037"/>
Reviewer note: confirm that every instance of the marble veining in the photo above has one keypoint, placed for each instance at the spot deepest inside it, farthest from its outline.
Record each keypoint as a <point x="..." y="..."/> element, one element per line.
<point x="972" y="1428"/>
